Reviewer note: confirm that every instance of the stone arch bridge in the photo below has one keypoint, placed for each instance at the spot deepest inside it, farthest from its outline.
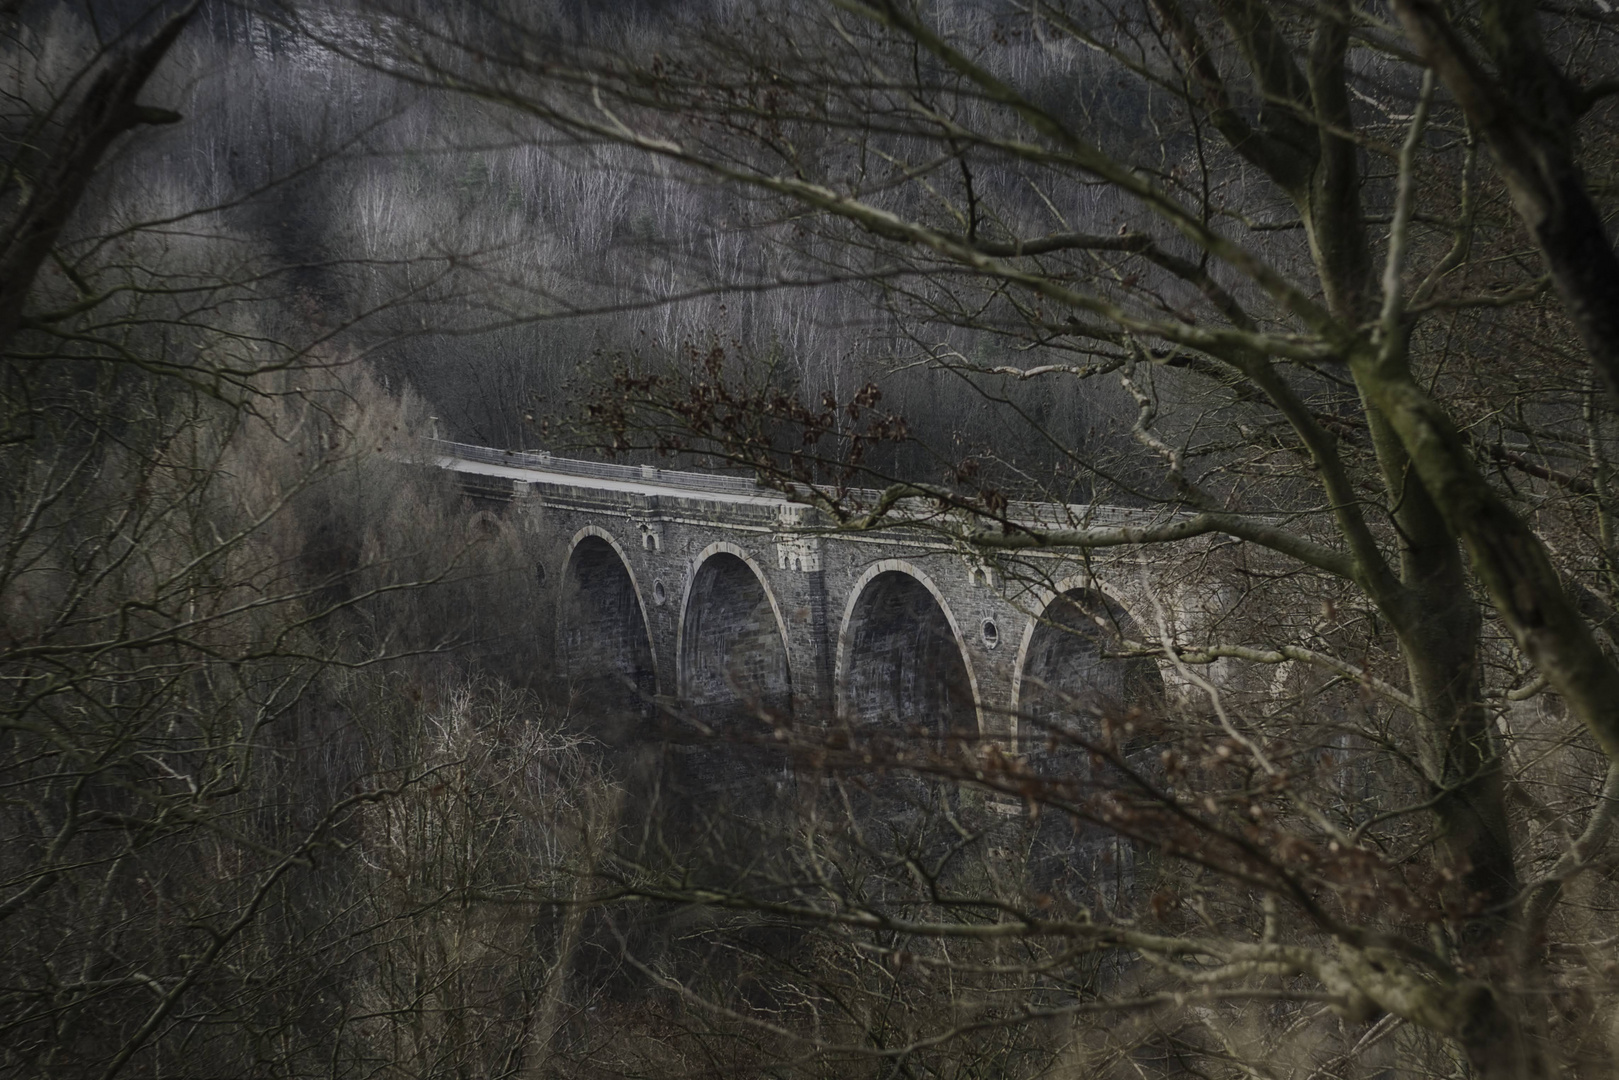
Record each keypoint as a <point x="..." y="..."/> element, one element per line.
<point x="710" y="591"/>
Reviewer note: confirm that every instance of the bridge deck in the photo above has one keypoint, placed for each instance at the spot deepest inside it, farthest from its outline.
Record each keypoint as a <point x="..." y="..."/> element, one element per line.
<point x="659" y="486"/>
<point x="639" y="479"/>
<point x="738" y="490"/>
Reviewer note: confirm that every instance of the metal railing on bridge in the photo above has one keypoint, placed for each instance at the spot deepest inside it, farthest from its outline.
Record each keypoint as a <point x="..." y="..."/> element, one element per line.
<point x="1047" y="515"/>
<point x="601" y="470"/>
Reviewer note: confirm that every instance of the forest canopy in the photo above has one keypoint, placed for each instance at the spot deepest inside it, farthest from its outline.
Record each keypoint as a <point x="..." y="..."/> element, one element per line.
<point x="1325" y="290"/>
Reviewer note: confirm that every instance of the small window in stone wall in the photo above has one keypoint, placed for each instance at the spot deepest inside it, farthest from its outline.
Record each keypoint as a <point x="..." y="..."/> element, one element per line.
<point x="659" y="594"/>
<point x="991" y="634"/>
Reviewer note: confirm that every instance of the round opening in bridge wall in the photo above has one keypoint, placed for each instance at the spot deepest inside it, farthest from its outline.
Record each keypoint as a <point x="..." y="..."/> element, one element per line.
<point x="991" y="633"/>
<point x="659" y="594"/>
<point x="539" y="573"/>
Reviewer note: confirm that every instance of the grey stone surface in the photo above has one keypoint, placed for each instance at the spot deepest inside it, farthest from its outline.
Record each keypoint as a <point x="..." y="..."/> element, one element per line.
<point x="711" y="591"/>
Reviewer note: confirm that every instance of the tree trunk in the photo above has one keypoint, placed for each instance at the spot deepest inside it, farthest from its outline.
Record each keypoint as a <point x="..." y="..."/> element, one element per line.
<point x="107" y="110"/>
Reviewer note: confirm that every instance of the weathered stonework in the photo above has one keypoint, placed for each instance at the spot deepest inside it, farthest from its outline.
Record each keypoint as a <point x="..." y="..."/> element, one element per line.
<point x="738" y="601"/>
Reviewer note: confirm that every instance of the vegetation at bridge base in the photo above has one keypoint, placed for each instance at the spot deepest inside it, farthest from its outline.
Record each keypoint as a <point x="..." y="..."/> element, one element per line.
<point x="1329" y="284"/>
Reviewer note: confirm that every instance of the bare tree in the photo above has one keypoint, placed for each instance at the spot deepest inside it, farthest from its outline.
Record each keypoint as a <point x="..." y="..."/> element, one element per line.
<point x="1270" y="228"/>
<point x="238" y="755"/>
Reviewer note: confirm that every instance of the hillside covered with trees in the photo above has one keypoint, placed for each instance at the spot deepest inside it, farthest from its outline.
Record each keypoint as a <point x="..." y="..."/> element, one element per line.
<point x="1325" y="289"/>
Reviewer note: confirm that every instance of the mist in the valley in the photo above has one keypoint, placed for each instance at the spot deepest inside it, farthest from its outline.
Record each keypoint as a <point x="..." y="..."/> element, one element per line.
<point x="502" y="273"/>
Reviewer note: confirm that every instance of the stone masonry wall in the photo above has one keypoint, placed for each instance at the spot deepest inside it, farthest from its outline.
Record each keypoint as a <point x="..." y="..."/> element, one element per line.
<point x="736" y="603"/>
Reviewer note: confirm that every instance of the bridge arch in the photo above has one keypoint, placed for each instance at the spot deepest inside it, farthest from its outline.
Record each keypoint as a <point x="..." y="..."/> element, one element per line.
<point x="485" y="525"/>
<point x="901" y="656"/>
<point x="731" y="642"/>
<point x="607" y="652"/>
<point x="1059" y="664"/>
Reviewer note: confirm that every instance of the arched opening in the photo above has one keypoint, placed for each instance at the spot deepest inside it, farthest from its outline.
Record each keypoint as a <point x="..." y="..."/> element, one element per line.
<point x="606" y="651"/>
<point x="733" y="661"/>
<point x="903" y="667"/>
<point x="1066" y="674"/>
<point x="1068" y="682"/>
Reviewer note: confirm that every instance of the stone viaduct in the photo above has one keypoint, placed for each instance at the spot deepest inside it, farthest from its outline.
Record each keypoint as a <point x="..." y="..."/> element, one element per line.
<point x="711" y="592"/>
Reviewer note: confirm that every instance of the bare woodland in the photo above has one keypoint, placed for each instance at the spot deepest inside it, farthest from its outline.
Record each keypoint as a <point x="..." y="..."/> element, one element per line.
<point x="1324" y="289"/>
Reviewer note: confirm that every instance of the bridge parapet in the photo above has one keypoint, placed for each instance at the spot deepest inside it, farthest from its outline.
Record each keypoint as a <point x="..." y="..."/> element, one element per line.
<point x="795" y="513"/>
<point x="543" y="461"/>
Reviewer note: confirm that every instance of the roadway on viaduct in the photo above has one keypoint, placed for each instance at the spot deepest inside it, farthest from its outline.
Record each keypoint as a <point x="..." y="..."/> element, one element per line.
<point x="711" y="592"/>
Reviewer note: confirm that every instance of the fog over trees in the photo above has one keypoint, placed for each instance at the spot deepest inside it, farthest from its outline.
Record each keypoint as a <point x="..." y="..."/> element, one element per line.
<point x="373" y="185"/>
<point x="1322" y="291"/>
